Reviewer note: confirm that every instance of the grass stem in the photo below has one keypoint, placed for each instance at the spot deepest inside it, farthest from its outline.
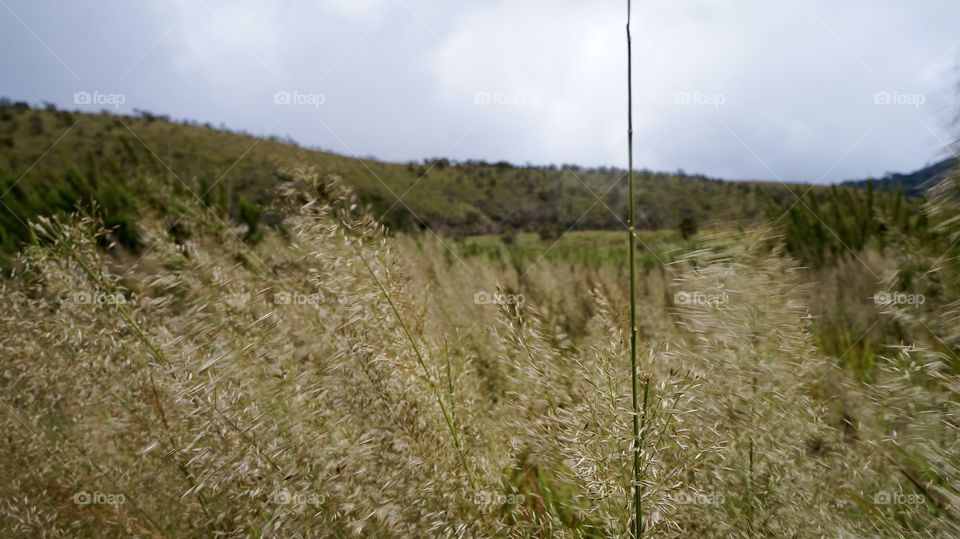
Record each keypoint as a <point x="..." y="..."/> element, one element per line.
<point x="632" y="245"/>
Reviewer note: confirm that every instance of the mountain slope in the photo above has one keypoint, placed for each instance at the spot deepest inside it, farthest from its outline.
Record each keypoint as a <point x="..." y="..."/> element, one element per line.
<point x="914" y="183"/>
<point x="51" y="159"/>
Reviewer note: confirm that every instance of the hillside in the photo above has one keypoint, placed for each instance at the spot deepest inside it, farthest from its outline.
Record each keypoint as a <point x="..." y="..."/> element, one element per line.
<point x="42" y="148"/>
<point x="914" y="183"/>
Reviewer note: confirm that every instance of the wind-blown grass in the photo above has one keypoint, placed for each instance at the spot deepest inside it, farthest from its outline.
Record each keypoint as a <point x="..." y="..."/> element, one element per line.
<point x="341" y="382"/>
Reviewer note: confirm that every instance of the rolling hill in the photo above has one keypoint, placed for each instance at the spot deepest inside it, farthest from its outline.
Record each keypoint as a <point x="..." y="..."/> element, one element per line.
<point x="52" y="159"/>
<point x="44" y="147"/>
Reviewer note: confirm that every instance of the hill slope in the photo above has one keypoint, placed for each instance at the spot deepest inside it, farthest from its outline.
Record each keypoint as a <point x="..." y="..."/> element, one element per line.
<point x="40" y="147"/>
<point x="914" y="183"/>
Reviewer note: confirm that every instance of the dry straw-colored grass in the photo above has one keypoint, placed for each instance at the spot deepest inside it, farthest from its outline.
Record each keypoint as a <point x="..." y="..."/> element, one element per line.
<point x="345" y="383"/>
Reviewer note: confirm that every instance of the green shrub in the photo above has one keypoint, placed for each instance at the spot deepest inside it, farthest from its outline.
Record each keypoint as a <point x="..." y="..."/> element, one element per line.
<point x="250" y="213"/>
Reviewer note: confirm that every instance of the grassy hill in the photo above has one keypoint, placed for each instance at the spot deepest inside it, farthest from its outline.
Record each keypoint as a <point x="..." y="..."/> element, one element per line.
<point x="49" y="159"/>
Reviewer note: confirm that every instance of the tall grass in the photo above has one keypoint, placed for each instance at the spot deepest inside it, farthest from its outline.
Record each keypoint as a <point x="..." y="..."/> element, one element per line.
<point x="341" y="382"/>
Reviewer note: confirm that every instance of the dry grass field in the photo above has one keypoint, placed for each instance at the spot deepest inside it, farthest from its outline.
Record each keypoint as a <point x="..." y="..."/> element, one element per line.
<point x="336" y="381"/>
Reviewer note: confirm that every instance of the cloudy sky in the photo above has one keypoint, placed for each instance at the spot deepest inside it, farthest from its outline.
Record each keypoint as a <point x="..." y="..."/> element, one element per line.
<point x="807" y="90"/>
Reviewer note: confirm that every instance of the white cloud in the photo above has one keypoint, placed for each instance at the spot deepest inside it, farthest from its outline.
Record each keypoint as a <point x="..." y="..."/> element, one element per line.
<point x="554" y="56"/>
<point x="358" y="10"/>
<point x="795" y="81"/>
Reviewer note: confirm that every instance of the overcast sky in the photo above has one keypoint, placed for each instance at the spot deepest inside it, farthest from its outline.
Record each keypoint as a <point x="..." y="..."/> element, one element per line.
<point x="808" y="90"/>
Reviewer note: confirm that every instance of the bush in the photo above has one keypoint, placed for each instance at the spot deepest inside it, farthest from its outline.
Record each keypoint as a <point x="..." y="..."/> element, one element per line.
<point x="250" y="215"/>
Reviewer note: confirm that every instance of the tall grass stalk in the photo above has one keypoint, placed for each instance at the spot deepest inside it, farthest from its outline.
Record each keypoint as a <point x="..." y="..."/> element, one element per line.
<point x="631" y="231"/>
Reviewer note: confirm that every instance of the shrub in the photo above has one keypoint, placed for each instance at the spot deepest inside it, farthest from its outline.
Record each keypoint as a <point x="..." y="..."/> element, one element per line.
<point x="250" y="213"/>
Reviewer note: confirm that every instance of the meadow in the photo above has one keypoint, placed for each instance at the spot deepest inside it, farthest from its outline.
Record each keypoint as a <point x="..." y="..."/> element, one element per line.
<point x="177" y="365"/>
